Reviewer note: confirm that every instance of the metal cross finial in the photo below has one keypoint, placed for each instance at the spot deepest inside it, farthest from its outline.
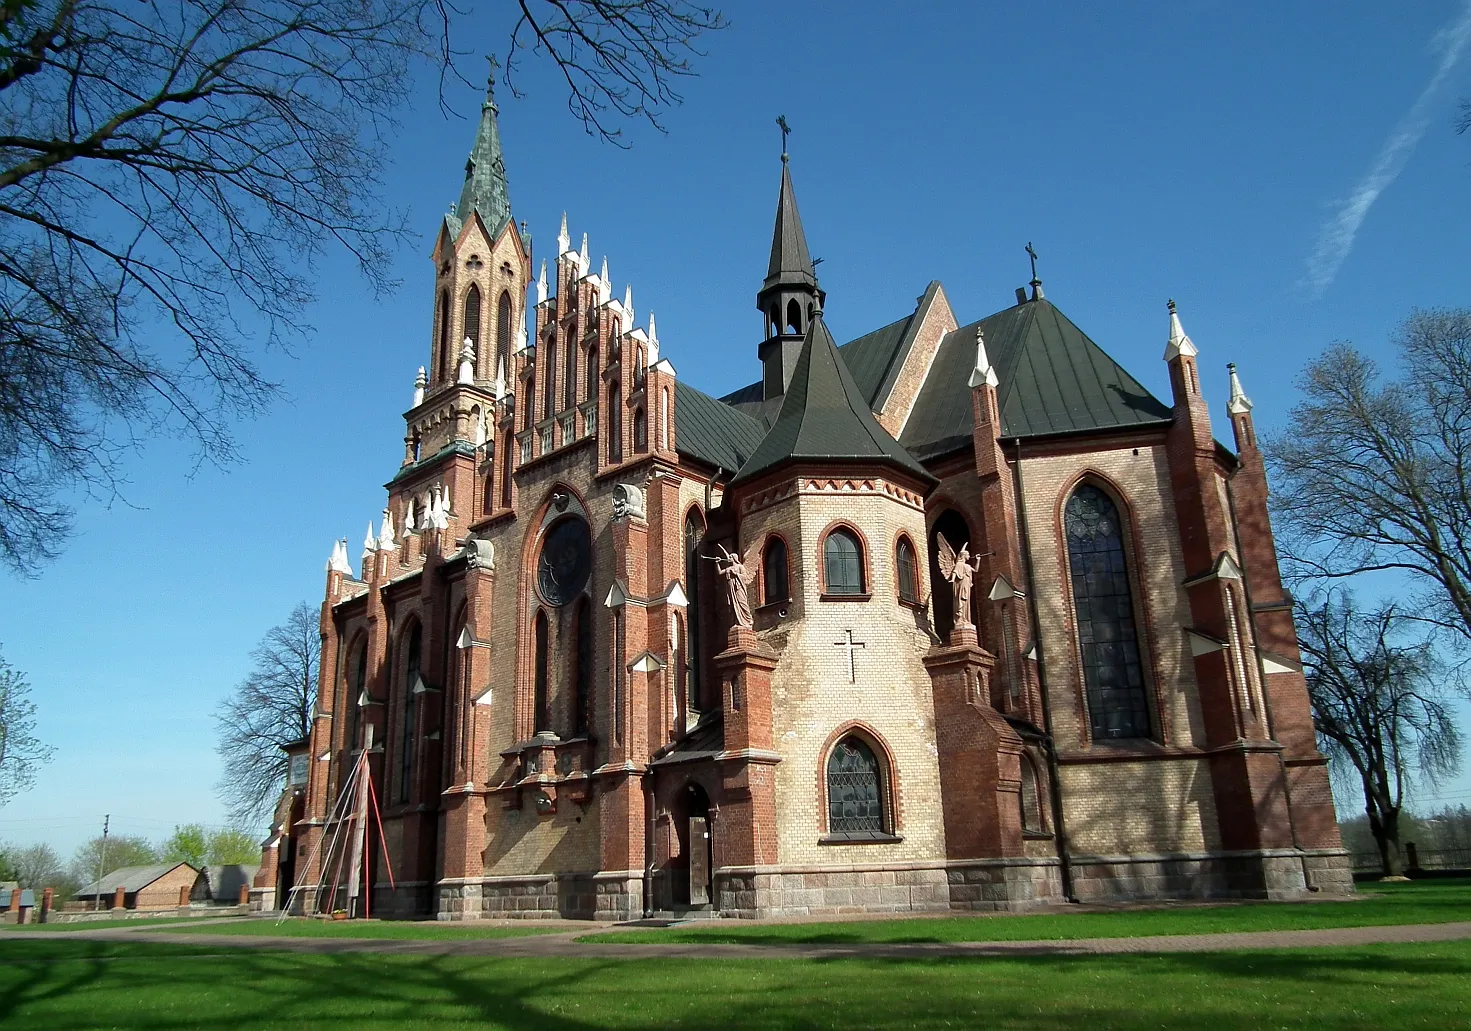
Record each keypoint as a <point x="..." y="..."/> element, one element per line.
<point x="490" y="78"/>
<point x="1033" y="255"/>
<point x="786" y="130"/>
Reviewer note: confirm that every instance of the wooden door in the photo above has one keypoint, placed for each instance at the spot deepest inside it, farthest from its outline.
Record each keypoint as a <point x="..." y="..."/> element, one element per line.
<point x="699" y="861"/>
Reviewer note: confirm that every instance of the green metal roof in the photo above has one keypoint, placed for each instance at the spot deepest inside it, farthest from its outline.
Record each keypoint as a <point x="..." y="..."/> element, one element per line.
<point x="486" y="188"/>
<point x="825" y="416"/>
<point x="1053" y="380"/>
<point x="791" y="262"/>
<point x="712" y="432"/>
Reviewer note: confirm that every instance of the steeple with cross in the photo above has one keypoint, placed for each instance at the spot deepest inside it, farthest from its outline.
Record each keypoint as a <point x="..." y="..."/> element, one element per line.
<point x="1036" y="283"/>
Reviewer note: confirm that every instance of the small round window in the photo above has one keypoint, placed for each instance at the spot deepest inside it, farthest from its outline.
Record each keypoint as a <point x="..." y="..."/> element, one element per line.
<point x="565" y="562"/>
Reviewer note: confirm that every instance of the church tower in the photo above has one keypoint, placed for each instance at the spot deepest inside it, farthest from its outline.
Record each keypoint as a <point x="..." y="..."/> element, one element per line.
<point x="789" y="298"/>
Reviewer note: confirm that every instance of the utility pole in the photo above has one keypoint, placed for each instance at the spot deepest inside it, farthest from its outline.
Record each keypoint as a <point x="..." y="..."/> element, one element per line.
<point x="102" y="859"/>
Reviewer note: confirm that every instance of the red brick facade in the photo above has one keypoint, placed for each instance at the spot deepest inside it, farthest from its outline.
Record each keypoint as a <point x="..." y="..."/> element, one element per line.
<point x="554" y="740"/>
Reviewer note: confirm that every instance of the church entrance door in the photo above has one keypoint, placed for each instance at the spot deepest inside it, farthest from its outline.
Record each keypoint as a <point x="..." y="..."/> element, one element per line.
<point x="692" y="873"/>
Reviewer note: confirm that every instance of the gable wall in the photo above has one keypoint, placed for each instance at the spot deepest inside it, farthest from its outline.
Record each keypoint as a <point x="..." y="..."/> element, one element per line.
<point x="938" y="321"/>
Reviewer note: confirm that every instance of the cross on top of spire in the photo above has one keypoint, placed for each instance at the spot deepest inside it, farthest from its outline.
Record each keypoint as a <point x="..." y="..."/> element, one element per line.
<point x="786" y="131"/>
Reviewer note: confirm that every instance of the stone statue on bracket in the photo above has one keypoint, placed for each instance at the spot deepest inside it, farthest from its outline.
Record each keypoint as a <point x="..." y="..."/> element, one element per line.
<point x="960" y="570"/>
<point x="628" y="501"/>
<point x="738" y="574"/>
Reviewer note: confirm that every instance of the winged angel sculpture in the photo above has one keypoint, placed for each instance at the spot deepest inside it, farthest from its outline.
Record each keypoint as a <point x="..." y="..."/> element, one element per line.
<point x="738" y="572"/>
<point x="960" y="570"/>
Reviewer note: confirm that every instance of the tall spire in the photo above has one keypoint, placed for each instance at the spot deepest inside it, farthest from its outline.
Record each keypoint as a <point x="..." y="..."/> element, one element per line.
<point x="791" y="262"/>
<point x="486" y="189"/>
<point x="1178" y="343"/>
<point x="1239" y="404"/>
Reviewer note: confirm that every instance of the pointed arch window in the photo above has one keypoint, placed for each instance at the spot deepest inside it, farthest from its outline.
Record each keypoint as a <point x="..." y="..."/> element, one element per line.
<point x="794" y="316"/>
<point x="855" y="806"/>
<point x="1030" y="797"/>
<point x="582" y="675"/>
<point x="775" y="585"/>
<point x="842" y="559"/>
<point x="353" y="707"/>
<point x="640" y="430"/>
<point x="906" y="571"/>
<point x="540" y="675"/>
<point x="503" y="331"/>
<point x="472" y="323"/>
<point x="615" y="423"/>
<point x="444" y="348"/>
<point x="569" y="376"/>
<point x="549" y="374"/>
<point x="694" y="534"/>
<point x="1108" y="640"/>
<point x="408" y="732"/>
<point x="592" y="372"/>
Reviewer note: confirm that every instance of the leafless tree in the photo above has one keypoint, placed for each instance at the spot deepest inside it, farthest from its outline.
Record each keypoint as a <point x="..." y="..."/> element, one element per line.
<point x="1380" y="702"/>
<point x="37" y="866"/>
<point x="170" y="171"/>
<point x="21" y="752"/>
<point x="1375" y="475"/>
<point x="271" y="707"/>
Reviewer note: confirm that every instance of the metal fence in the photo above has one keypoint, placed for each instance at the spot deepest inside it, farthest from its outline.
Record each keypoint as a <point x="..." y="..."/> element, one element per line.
<point x="1417" y="859"/>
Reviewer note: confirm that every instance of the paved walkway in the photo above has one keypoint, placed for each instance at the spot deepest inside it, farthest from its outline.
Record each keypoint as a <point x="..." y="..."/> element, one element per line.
<point x="563" y="944"/>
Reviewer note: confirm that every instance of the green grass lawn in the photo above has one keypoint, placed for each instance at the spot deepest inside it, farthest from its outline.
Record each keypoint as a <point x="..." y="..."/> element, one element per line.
<point x="67" y="985"/>
<point x="162" y="923"/>
<point x="1419" y="902"/>
<point x="301" y="927"/>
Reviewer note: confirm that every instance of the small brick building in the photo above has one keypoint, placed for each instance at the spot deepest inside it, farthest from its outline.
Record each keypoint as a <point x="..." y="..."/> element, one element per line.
<point x="571" y="714"/>
<point x="142" y="887"/>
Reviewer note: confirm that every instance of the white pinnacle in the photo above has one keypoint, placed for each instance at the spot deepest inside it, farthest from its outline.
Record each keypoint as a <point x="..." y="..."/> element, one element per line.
<point x="479" y="428"/>
<point x="653" y="358"/>
<point x="984" y="372"/>
<point x="628" y="308"/>
<point x="1179" y="344"/>
<point x="541" y="283"/>
<point x="563" y="241"/>
<point x="420" y="382"/>
<point x="338" y="562"/>
<point x="1239" y="404"/>
<point x="500" y="378"/>
<point x="583" y="261"/>
<point x="370" y="542"/>
<point x="385" y="538"/>
<point x="408" y="518"/>
<point x="467" y="361"/>
<point x="605" y="285"/>
<point x="521" y="332"/>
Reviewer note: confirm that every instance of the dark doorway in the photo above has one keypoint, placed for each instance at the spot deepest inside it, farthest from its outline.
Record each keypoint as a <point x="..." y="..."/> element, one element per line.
<point x="952" y="526"/>
<point x="692" y="824"/>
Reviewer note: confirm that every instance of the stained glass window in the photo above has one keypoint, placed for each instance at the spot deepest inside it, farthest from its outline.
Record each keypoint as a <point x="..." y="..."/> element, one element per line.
<point x="539" y="679"/>
<point x="410" y="710"/>
<point x="1112" y="672"/>
<point x="843" y="563"/>
<point x="503" y="338"/>
<point x="854" y="805"/>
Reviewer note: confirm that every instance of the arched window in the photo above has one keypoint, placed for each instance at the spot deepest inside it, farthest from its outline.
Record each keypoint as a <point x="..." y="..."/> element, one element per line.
<point x="592" y="372"/>
<point x="582" y="675"/>
<point x="615" y="423"/>
<point x="794" y="316"/>
<point x="530" y="417"/>
<point x="444" y="348"/>
<point x="694" y="534"/>
<point x="472" y="323"/>
<point x="842" y="561"/>
<point x="549" y="374"/>
<point x="503" y="332"/>
<point x="1030" y="797"/>
<point x="569" y="377"/>
<point x="774" y="585"/>
<point x="906" y="572"/>
<point x="487" y="496"/>
<point x="539" y="696"/>
<point x="507" y="457"/>
<point x="664" y="418"/>
<point x="353" y="707"/>
<point x="408" y="739"/>
<point x="1107" y="638"/>
<point x="640" y="430"/>
<point x="855" y="806"/>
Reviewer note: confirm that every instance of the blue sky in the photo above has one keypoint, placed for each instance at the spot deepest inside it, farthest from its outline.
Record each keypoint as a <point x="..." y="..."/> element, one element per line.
<point x="1288" y="173"/>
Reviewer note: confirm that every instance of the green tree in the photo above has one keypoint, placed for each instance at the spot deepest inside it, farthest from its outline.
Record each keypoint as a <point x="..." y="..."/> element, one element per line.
<point x="232" y="845"/>
<point x="7" y="872"/>
<point x="21" y="752"/>
<point x="97" y="859"/>
<point x="188" y="844"/>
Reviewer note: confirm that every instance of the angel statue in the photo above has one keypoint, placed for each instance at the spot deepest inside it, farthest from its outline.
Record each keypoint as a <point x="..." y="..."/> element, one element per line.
<point x="959" y="569"/>
<point x="738" y="573"/>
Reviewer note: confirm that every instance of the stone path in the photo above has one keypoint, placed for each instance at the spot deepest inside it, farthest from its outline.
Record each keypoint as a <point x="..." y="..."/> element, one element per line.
<point x="563" y="944"/>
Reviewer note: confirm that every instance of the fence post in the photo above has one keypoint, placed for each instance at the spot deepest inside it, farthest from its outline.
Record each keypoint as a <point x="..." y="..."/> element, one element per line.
<point x="47" y="897"/>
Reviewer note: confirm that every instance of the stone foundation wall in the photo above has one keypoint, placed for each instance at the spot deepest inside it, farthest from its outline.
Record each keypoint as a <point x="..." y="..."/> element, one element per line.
<point x="1267" y="874"/>
<point x="568" y="896"/>
<point x="1004" y="885"/>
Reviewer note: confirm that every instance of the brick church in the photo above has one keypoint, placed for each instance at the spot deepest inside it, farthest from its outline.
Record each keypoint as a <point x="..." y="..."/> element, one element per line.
<point x="949" y="617"/>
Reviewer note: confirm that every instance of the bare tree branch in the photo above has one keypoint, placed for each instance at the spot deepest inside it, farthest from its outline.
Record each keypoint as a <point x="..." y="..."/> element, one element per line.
<point x="271" y="707"/>
<point x="21" y="752"/>
<point x="172" y="170"/>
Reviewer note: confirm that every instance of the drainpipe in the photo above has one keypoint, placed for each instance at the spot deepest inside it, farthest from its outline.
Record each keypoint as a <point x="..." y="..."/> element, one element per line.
<point x="648" y="784"/>
<point x="1261" y="673"/>
<point x="1064" y="854"/>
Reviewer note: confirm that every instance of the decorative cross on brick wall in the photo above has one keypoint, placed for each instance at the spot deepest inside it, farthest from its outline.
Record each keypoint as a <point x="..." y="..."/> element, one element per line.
<point x="852" y="646"/>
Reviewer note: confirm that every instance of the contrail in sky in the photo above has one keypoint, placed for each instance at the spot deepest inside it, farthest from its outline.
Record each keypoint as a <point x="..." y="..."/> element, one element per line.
<point x="1337" y="237"/>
